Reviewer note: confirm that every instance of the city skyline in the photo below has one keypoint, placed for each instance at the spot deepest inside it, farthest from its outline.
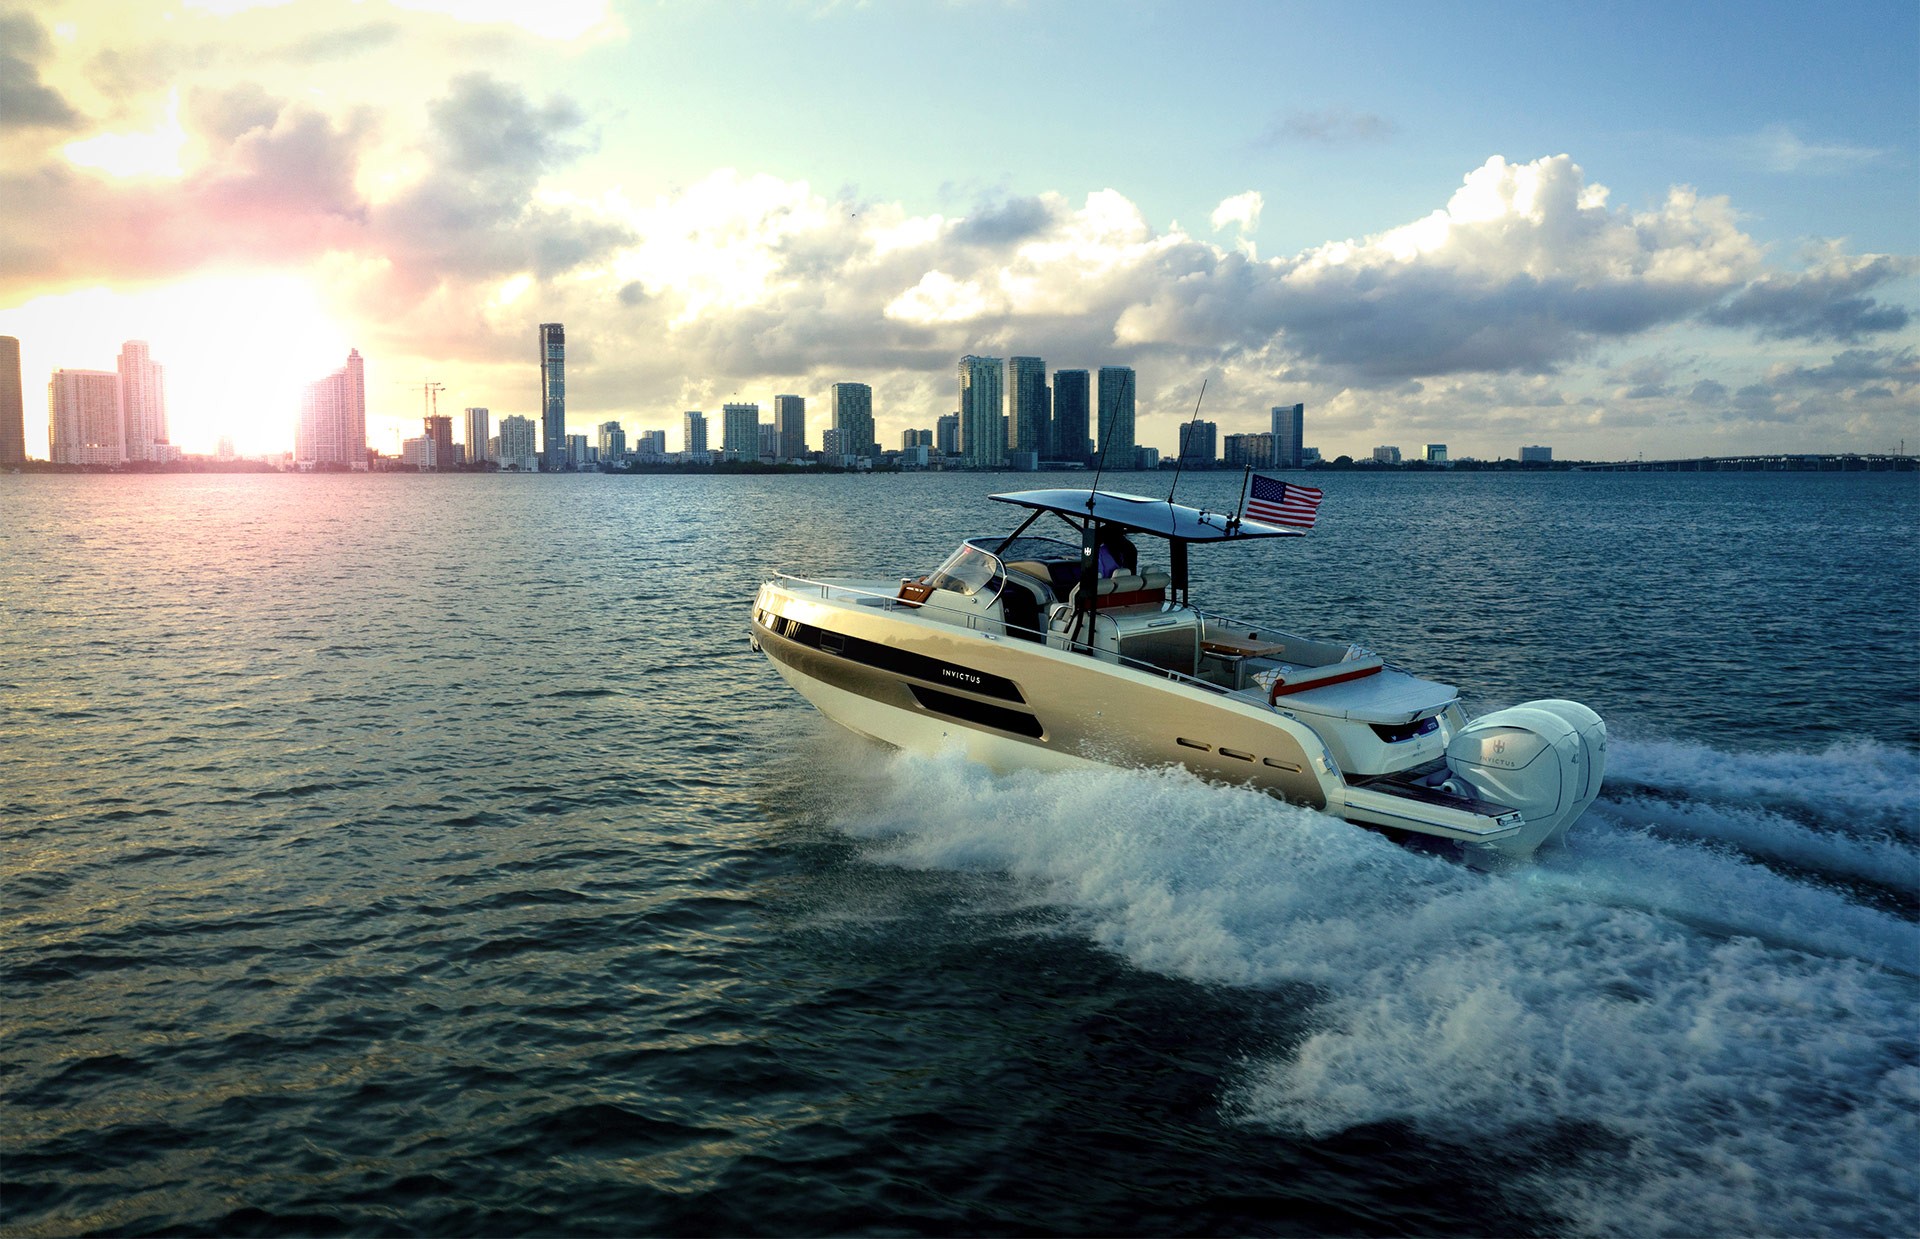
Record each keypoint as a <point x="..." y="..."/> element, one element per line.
<point x="1686" y="227"/>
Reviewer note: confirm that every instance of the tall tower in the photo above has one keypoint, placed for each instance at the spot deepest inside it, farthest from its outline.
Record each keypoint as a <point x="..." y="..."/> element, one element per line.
<point x="740" y="431"/>
<point x="1287" y="428"/>
<point x="790" y="427"/>
<point x="477" y="434"/>
<point x="333" y="419"/>
<point x="693" y="431"/>
<point x="13" y="407"/>
<point x="1070" y="420"/>
<point x="853" y="418"/>
<point x="983" y="434"/>
<point x="439" y="428"/>
<point x="143" y="401"/>
<point x="1199" y="443"/>
<point x="83" y="418"/>
<point x="1028" y="414"/>
<point x="553" y="396"/>
<point x="1115" y="449"/>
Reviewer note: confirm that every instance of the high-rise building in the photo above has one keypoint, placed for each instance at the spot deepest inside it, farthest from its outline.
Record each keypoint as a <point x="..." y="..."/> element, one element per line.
<point x="1536" y="455"/>
<point x="1199" y="443"/>
<point x="1436" y="453"/>
<point x="440" y="429"/>
<point x="579" y="452"/>
<point x="421" y="453"/>
<point x="13" y="404"/>
<point x="333" y="420"/>
<point x="553" y="395"/>
<point x="1289" y="423"/>
<point x="1386" y="455"/>
<point x="853" y="418"/>
<point x="693" y="431"/>
<point x="1029" y="411"/>
<point x="653" y="443"/>
<point x="1249" y="451"/>
<point x="517" y="449"/>
<point x="83" y="418"/>
<point x="790" y="427"/>
<point x="477" y="435"/>
<point x="770" y="441"/>
<point x="740" y="431"/>
<point x="1115" y="446"/>
<point x="1070" y="406"/>
<point x="946" y="435"/>
<point x="143" y="402"/>
<point x="983" y="427"/>
<point x="910" y="439"/>
<point x="613" y="443"/>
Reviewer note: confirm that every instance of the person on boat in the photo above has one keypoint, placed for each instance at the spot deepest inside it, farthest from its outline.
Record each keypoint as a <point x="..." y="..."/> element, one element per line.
<point x="1117" y="552"/>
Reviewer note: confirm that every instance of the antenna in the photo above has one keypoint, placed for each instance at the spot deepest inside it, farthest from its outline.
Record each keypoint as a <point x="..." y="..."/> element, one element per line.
<point x="1185" y="441"/>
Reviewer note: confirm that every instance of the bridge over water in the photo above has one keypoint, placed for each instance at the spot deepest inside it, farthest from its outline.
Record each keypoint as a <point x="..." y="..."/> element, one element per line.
<point x="1778" y="462"/>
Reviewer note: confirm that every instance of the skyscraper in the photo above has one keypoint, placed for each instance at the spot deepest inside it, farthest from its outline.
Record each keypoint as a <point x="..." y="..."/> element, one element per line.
<point x="983" y="428"/>
<point x="1114" y="450"/>
<point x="946" y="434"/>
<point x="13" y="404"/>
<point x="613" y="443"/>
<point x="1253" y="451"/>
<point x="439" y="428"/>
<point x="740" y="431"/>
<point x="553" y="395"/>
<point x="83" y="418"/>
<point x="477" y="434"/>
<point x="1029" y="416"/>
<point x="1199" y="443"/>
<point x="693" y="431"/>
<point x="516" y="445"/>
<point x="1288" y="423"/>
<point x="790" y="426"/>
<point x="143" y="401"/>
<point x="1070" y="405"/>
<point x="333" y="420"/>
<point x="853" y="418"/>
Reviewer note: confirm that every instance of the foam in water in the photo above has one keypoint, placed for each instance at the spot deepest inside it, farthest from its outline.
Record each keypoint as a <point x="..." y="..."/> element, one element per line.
<point x="1735" y="1041"/>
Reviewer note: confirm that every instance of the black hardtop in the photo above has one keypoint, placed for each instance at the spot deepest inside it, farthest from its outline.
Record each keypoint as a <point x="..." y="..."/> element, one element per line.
<point x="1159" y="518"/>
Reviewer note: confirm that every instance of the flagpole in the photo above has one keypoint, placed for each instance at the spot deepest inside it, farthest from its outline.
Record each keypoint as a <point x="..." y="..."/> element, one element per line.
<point x="1246" y="477"/>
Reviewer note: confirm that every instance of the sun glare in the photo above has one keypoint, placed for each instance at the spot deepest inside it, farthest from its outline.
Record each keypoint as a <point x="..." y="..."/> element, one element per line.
<point x="153" y="153"/>
<point x="237" y="350"/>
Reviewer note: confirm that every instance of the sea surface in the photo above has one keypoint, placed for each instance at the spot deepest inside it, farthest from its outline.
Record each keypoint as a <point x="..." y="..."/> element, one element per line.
<point x="431" y="855"/>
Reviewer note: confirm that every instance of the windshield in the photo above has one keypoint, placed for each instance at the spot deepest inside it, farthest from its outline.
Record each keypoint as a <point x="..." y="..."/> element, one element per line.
<point x="966" y="571"/>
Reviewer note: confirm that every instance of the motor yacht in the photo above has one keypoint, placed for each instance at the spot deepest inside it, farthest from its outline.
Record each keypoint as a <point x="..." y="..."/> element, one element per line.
<point x="1021" y="652"/>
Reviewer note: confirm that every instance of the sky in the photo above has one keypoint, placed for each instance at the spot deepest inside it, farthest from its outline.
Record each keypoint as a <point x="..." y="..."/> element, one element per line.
<point x="1617" y="230"/>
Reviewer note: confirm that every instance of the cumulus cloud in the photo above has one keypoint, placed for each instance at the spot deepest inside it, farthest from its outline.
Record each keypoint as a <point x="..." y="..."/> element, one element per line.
<point x="1241" y="211"/>
<point x="1825" y="303"/>
<point x="1526" y="270"/>
<point x="25" y="101"/>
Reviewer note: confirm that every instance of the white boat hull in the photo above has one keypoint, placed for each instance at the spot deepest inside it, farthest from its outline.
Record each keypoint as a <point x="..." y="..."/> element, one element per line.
<point x="888" y="671"/>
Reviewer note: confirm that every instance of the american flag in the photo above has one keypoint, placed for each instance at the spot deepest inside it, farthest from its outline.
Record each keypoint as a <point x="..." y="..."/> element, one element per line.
<point x="1281" y="503"/>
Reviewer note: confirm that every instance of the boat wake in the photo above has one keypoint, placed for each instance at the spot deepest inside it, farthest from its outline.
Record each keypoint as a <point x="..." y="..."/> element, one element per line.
<point x="1696" y="1018"/>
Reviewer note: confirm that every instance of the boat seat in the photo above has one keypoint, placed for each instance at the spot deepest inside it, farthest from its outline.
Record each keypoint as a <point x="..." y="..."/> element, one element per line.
<point x="1124" y="589"/>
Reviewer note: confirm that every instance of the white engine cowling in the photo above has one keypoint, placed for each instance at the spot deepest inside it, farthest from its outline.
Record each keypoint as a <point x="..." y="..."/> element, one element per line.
<point x="1544" y="758"/>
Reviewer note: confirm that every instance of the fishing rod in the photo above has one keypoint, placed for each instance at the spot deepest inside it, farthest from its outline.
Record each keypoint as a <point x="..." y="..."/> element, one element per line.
<point x="1186" y="444"/>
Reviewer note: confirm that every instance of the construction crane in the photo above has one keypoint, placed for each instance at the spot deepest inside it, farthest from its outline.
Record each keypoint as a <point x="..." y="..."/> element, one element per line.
<point x="430" y="397"/>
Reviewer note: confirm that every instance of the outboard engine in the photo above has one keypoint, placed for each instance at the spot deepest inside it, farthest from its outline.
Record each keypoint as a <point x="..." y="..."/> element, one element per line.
<point x="1544" y="758"/>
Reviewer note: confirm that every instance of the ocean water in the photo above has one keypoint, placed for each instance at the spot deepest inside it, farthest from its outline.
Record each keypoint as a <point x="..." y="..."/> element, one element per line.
<point x="432" y="855"/>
